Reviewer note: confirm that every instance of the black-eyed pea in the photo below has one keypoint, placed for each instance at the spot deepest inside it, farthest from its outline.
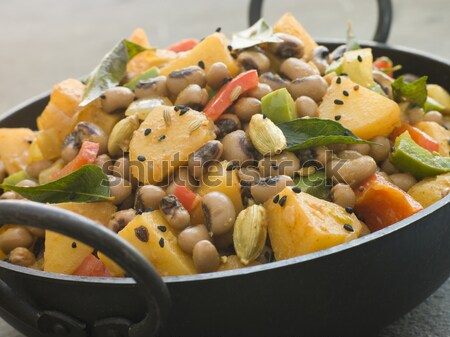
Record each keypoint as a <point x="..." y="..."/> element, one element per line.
<point x="290" y="46"/>
<point x="246" y="107"/>
<point x="120" y="189"/>
<point x="22" y="257"/>
<point x="306" y="107"/>
<point x="294" y="68"/>
<point x="380" y="150"/>
<point x="254" y="60"/>
<point x="35" y="168"/>
<point x="343" y="195"/>
<point x="313" y="86"/>
<point x="206" y="257"/>
<point x="174" y="212"/>
<point x="285" y="163"/>
<point x="219" y="212"/>
<point x="217" y="75"/>
<point x="15" y="237"/>
<point x="180" y="79"/>
<point x="260" y="91"/>
<point x="149" y="197"/>
<point x="117" y="98"/>
<point x="403" y="180"/>
<point x="191" y="235"/>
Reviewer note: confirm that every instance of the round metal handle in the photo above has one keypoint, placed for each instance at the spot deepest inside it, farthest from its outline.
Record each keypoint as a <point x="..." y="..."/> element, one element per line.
<point x="385" y="14"/>
<point x="85" y="230"/>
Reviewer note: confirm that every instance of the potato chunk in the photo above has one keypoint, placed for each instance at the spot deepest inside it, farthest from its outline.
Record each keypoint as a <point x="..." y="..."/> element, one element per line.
<point x="14" y="145"/>
<point x="430" y="190"/>
<point x="64" y="255"/>
<point x="289" y="25"/>
<point x="152" y="236"/>
<point x="210" y="50"/>
<point x="171" y="140"/>
<point x="306" y="224"/>
<point x="364" y="112"/>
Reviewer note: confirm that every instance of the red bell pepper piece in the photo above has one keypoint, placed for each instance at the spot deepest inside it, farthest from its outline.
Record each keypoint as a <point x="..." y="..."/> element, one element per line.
<point x="420" y="137"/>
<point x="230" y="92"/>
<point x="87" y="155"/>
<point x="91" y="266"/>
<point x="381" y="203"/>
<point x="183" y="45"/>
<point x="186" y="197"/>
<point x="383" y="63"/>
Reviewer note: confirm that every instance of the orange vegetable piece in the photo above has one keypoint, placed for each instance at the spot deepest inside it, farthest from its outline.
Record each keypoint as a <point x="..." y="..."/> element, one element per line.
<point x="381" y="203"/>
<point x="186" y="197"/>
<point x="87" y="155"/>
<point x="91" y="266"/>
<point x="230" y="92"/>
<point x="420" y="137"/>
<point x="183" y="45"/>
<point x="140" y="37"/>
<point x="289" y="25"/>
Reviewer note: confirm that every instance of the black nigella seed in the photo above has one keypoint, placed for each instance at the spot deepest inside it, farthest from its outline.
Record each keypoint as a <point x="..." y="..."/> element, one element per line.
<point x="141" y="158"/>
<point x="276" y="199"/>
<point x="201" y="64"/>
<point x="230" y="48"/>
<point x="176" y="107"/>
<point x="356" y="87"/>
<point x="392" y="148"/>
<point x="264" y="116"/>
<point x="344" y="74"/>
<point x="348" y="228"/>
<point x="162" y="228"/>
<point x="338" y="80"/>
<point x="102" y="96"/>
<point x="234" y="55"/>
<point x="147" y="132"/>
<point x="218" y="29"/>
<point x="74" y="245"/>
<point x="345" y="93"/>
<point x="231" y="167"/>
<point x="349" y="210"/>
<point x="337" y="117"/>
<point x="338" y="102"/>
<point x="141" y="233"/>
<point x="282" y="200"/>
<point x="29" y="141"/>
<point x="296" y="189"/>
<point x="139" y="212"/>
<point x="359" y="58"/>
<point x="160" y="138"/>
<point x="161" y="242"/>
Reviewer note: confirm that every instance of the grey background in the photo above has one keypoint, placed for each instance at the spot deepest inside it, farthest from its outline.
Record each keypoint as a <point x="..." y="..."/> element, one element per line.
<point x="43" y="42"/>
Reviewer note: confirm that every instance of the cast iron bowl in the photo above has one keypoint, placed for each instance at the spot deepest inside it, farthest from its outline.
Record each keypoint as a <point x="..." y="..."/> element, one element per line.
<point x="352" y="289"/>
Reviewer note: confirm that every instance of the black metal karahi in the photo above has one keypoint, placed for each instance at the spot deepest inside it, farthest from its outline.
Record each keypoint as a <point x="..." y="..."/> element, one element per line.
<point x="353" y="289"/>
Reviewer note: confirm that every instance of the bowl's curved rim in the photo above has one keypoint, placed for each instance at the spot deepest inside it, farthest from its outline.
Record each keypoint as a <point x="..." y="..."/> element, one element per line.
<point x="254" y="269"/>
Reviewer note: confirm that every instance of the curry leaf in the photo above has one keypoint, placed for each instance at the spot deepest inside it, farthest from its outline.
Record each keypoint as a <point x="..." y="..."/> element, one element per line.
<point x="259" y="33"/>
<point x="315" y="184"/>
<point x="110" y="71"/>
<point x="311" y="132"/>
<point x="87" y="184"/>
<point x="414" y="92"/>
